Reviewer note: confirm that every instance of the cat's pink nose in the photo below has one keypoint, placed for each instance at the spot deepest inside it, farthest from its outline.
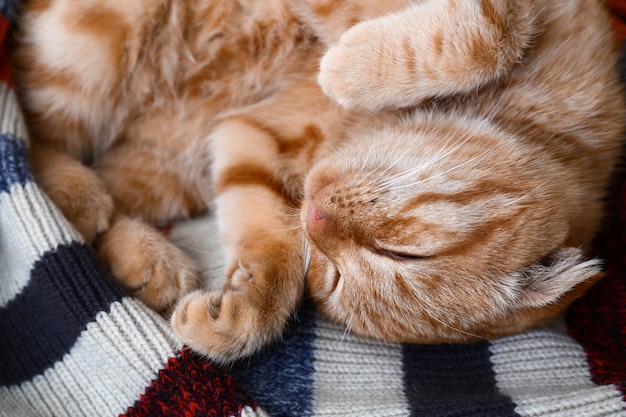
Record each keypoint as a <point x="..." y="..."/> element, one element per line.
<point x="316" y="221"/>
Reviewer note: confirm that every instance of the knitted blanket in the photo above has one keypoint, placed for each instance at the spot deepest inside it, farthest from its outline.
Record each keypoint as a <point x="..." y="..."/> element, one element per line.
<point x="72" y="343"/>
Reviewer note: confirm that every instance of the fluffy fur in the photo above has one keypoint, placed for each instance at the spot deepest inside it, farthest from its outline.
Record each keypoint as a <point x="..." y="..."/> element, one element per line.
<point x="443" y="178"/>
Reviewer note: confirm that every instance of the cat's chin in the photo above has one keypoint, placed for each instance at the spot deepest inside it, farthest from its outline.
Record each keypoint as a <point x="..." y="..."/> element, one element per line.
<point x="322" y="275"/>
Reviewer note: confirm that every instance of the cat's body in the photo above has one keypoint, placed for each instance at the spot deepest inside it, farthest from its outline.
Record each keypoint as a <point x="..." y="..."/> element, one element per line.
<point x="494" y="131"/>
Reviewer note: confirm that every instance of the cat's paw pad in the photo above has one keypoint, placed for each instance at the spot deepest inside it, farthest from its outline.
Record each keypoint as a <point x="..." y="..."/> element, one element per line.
<point x="146" y="264"/>
<point x="220" y="324"/>
<point x="230" y="323"/>
<point x="350" y="70"/>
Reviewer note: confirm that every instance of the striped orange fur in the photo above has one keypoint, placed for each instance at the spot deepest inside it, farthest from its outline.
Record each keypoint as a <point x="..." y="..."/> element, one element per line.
<point x="447" y="158"/>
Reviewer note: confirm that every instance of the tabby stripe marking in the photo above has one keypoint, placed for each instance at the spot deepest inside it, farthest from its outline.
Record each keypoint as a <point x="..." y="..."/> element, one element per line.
<point x="253" y="175"/>
<point x="569" y="151"/>
<point x="310" y="138"/>
<point x="489" y="12"/>
<point x="480" y="191"/>
<point x="410" y="59"/>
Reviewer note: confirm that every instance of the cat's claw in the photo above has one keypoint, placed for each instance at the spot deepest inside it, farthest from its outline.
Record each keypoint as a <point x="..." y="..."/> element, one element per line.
<point x="214" y="304"/>
<point x="244" y="272"/>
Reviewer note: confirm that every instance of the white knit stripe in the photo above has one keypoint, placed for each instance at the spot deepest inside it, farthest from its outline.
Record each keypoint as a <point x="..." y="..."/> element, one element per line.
<point x="112" y="363"/>
<point x="356" y="376"/>
<point x="11" y="120"/>
<point x="545" y="373"/>
<point x="250" y="412"/>
<point x="199" y="239"/>
<point x="31" y="225"/>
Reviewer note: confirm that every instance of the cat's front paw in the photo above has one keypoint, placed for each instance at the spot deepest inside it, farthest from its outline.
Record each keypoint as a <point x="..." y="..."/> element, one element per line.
<point x="82" y="198"/>
<point x="75" y="189"/>
<point x="236" y="321"/>
<point x="146" y="264"/>
<point x="352" y="71"/>
<point x="91" y="214"/>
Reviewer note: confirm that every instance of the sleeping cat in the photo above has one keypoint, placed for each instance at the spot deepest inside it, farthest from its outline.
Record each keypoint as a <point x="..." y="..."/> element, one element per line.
<point x="431" y="170"/>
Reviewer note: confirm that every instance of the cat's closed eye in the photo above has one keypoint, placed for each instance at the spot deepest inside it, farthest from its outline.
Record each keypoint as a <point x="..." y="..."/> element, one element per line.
<point x="398" y="255"/>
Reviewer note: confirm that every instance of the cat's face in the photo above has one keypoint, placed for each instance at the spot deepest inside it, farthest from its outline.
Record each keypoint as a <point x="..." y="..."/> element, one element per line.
<point x="433" y="236"/>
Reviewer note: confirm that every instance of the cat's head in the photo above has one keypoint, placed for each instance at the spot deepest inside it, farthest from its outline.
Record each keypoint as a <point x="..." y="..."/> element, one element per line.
<point x="438" y="234"/>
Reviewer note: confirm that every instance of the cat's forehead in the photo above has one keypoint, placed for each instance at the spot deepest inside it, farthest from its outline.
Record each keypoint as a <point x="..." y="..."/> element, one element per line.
<point x="404" y="172"/>
<point x="426" y="147"/>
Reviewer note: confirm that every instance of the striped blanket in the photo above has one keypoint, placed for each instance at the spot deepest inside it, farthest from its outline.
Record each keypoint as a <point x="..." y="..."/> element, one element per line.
<point x="72" y="343"/>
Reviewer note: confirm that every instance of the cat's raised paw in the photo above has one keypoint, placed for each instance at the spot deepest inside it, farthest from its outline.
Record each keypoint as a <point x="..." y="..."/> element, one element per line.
<point x="350" y="70"/>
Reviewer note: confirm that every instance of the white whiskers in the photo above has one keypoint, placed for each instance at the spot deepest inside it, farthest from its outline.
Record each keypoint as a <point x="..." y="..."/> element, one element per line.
<point x="306" y="254"/>
<point x="390" y="183"/>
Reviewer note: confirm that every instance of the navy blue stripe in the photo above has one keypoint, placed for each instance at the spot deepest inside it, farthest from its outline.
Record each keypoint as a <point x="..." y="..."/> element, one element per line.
<point x="453" y="380"/>
<point x="67" y="288"/>
<point x="14" y="166"/>
<point x="7" y="8"/>
<point x="280" y="378"/>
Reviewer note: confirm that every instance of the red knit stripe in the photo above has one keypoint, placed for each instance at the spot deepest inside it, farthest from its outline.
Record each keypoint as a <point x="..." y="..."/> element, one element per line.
<point x="5" y="58"/>
<point x="598" y="320"/>
<point x="617" y="7"/>
<point x="191" y="386"/>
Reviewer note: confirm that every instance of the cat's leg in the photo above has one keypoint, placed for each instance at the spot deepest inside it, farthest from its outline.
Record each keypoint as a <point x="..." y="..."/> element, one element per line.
<point x="434" y="48"/>
<point x="74" y="188"/>
<point x="263" y="245"/>
<point x="140" y="257"/>
<point x="151" y="184"/>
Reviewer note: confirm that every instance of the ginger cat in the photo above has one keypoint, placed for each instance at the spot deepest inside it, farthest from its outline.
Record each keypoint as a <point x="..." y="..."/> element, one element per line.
<point x="438" y="187"/>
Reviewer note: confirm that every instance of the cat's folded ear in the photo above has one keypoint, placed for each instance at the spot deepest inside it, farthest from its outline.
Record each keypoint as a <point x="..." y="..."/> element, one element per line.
<point x="558" y="279"/>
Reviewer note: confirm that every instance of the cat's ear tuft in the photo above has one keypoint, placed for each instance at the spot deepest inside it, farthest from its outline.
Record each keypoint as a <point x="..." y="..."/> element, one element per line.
<point x="561" y="277"/>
